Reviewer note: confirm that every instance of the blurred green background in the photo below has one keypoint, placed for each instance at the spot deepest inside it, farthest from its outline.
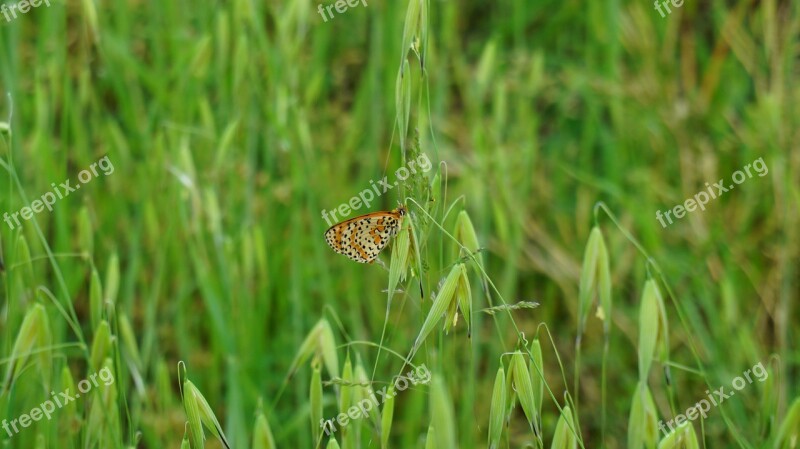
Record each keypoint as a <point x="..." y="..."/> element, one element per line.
<point x="232" y="125"/>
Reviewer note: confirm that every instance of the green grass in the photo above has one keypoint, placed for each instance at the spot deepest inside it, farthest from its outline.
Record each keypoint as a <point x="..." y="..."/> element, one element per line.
<point x="232" y="125"/>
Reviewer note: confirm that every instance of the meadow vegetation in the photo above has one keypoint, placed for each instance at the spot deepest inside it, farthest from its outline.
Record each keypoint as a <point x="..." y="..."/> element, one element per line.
<point x="531" y="277"/>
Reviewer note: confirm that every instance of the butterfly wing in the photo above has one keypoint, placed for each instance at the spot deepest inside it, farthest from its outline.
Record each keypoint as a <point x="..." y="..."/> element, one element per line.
<point x="363" y="238"/>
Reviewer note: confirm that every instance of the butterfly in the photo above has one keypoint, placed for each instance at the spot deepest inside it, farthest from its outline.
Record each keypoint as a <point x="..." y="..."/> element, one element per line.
<point x="362" y="238"/>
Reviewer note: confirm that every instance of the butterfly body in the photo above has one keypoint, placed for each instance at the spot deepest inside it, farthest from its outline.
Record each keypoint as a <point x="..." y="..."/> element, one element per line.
<point x="362" y="238"/>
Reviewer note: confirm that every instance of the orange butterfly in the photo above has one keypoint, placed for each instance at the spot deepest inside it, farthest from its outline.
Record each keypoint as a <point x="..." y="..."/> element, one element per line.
<point x="362" y="238"/>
